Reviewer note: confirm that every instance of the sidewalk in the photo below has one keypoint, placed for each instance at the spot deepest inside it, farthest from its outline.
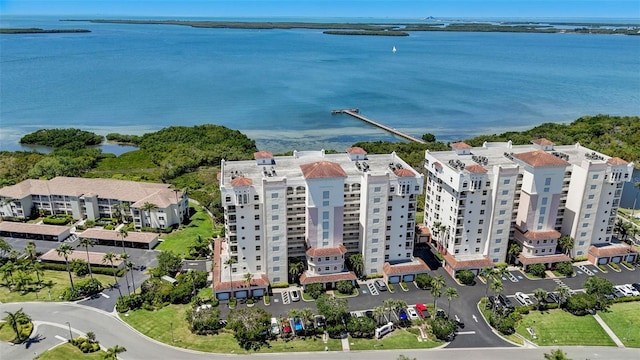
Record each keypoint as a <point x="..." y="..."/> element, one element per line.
<point x="608" y="330"/>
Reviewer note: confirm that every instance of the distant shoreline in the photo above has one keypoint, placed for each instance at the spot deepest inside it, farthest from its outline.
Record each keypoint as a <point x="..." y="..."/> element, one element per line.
<point x="41" y="31"/>
<point x="395" y="29"/>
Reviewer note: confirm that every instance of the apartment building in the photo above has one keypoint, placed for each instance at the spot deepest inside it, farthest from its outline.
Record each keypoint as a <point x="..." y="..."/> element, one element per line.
<point x="479" y="200"/>
<point x="85" y="198"/>
<point x="319" y="208"/>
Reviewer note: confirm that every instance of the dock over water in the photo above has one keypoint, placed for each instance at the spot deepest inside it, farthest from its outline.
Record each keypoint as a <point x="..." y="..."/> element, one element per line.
<point x="356" y="114"/>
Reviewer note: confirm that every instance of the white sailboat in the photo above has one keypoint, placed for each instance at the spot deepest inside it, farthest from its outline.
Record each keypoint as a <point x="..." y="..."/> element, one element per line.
<point x="394" y="49"/>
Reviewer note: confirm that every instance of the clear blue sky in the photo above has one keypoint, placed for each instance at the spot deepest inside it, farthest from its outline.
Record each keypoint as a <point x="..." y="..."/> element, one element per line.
<point x="328" y="8"/>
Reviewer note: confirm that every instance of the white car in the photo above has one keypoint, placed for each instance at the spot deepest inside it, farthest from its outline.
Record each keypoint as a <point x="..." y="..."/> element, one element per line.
<point x="275" y="328"/>
<point x="295" y="295"/>
<point x="633" y="290"/>
<point x="412" y="314"/>
<point x="524" y="298"/>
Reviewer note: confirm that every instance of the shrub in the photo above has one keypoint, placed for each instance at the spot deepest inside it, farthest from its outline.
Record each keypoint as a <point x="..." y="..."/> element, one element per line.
<point x="627" y="264"/>
<point x="335" y="330"/>
<point x="374" y="276"/>
<point x="614" y="266"/>
<point x="580" y="258"/>
<point x="280" y="285"/>
<point x="80" y="267"/>
<point x="537" y="269"/>
<point x="602" y="268"/>
<point x="85" y="345"/>
<point x="57" y="219"/>
<point x="565" y="268"/>
<point x="345" y="287"/>
<point x="442" y="328"/>
<point x="439" y="256"/>
<point x="466" y="277"/>
<point x="203" y="321"/>
<point x="314" y="290"/>
<point x="109" y="227"/>
<point x="504" y="323"/>
<point x="580" y="304"/>
<point x="216" y="302"/>
<point x="361" y="327"/>
<point x="390" y="286"/>
<point x="423" y="281"/>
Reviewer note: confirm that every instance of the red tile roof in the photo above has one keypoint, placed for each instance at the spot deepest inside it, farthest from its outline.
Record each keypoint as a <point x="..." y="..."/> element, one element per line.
<point x="404" y="173"/>
<point x="543" y="142"/>
<point x="413" y="267"/>
<point x="540" y="158"/>
<point x="322" y="169"/>
<point x="461" y="145"/>
<point x="262" y="155"/>
<point x="540" y="235"/>
<point x="467" y="264"/>
<point x="543" y="259"/>
<point x="610" y="250"/>
<point x="423" y="229"/>
<point x="306" y="279"/>
<point x="476" y="169"/>
<point x="356" y="150"/>
<point x="241" y="181"/>
<point x="331" y="251"/>
<point x="617" y="161"/>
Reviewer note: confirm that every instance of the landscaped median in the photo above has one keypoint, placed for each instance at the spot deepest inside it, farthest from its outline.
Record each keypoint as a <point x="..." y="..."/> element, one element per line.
<point x="168" y="325"/>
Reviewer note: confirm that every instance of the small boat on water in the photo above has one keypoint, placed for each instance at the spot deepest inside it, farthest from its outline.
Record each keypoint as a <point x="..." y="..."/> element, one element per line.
<point x="394" y="49"/>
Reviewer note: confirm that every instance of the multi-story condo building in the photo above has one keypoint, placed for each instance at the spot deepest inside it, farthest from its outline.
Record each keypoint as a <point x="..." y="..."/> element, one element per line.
<point x="319" y="208"/>
<point x="481" y="199"/>
<point x="148" y="204"/>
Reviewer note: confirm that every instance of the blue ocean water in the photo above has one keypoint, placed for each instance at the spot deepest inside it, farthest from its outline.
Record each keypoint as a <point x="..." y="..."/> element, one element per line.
<point x="279" y="86"/>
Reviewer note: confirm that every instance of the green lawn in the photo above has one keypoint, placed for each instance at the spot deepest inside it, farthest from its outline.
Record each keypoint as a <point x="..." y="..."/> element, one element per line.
<point x="398" y="339"/>
<point x="60" y="280"/>
<point x="558" y="327"/>
<point x="624" y="320"/>
<point x="179" y="241"/>
<point x="69" y="352"/>
<point x="158" y="325"/>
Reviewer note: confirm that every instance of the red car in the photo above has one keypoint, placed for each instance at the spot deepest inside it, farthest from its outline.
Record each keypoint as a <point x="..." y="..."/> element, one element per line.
<point x="422" y="311"/>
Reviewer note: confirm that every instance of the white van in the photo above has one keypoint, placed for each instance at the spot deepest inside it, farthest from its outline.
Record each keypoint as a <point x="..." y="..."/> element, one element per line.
<point x="384" y="330"/>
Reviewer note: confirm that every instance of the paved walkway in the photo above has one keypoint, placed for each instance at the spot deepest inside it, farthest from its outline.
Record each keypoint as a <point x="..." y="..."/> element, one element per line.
<point x="608" y="330"/>
<point x="345" y="343"/>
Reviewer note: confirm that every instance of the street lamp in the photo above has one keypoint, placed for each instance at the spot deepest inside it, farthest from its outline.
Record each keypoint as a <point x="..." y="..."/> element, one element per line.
<point x="70" y="333"/>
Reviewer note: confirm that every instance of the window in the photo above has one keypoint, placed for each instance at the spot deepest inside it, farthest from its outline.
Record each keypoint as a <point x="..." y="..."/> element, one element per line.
<point x="374" y="260"/>
<point x="274" y="217"/>
<point x="257" y="237"/>
<point x="481" y="221"/>
<point x="274" y="195"/>
<point x="255" y="207"/>
<point x="375" y="231"/>
<point x="376" y="210"/>
<point x="586" y="216"/>
<point x="274" y="207"/>
<point x="374" y="250"/>
<point x="498" y="241"/>
<point x="257" y="247"/>
<point x="326" y="268"/>
<point x="257" y="227"/>
<point x="325" y="235"/>
<point x="276" y="248"/>
<point x="505" y="192"/>
<point x="375" y="221"/>
<point x="546" y="189"/>
<point x="481" y="212"/>
<point x="593" y="187"/>
<point x="583" y="234"/>
<point x="258" y="258"/>
<point x="325" y="215"/>
<point x="543" y="210"/>
<point x="541" y="220"/>
<point x="376" y="189"/>
<point x="479" y="231"/>
<point x="547" y="181"/>
<point x="589" y="206"/>
<point x="483" y="202"/>
<point x="591" y="197"/>
<point x="276" y="268"/>
<point x="374" y="240"/>
<point x="496" y="250"/>
<point x="584" y="225"/>
<point x="325" y="225"/>
<point x="507" y="181"/>
<point x="325" y="195"/>
<point x="499" y="231"/>
<point x="500" y="222"/>
<point x="477" y="249"/>
<point x="544" y="201"/>
<point x="275" y="228"/>
<point x="327" y="259"/>
<point x="325" y="203"/>
<point x="276" y="238"/>
<point x="502" y="212"/>
<point x="503" y="202"/>
<point x="276" y="258"/>
<point x="376" y="200"/>
<point x="256" y="197"/>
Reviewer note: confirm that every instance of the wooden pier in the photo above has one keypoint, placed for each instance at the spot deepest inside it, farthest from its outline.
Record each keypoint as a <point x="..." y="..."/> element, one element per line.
<point x="356" y="114"/>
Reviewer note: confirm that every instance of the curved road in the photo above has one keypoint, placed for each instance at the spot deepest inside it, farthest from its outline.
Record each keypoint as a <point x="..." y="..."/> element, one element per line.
<point x="110" y="330"/>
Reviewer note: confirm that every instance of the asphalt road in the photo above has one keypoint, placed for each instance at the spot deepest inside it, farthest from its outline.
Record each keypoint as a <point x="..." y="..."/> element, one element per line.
<point x="111" y="331"/>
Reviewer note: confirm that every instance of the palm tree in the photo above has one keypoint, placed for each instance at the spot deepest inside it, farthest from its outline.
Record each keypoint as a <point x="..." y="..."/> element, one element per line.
<point x="30" y="250"/>
<point x="295" y="269"/>
<point x="451" y="293"/>
<point x="247" y="279"/>
<point x="357" y="264"/>
<point x="125" y="257"/>
<point x="116" y="211"/>
<point x="5" y="248"/>
<point x="112" y="352"/>
<point x="65" y="250"/>
<point x="388" y="306"/>
<point x="7" y="272"/>
<point x="229" y="264"/>
<point x="86" y="242"/>
<point x="566" y="242"/>
<point x="496" y="287"/>
<point x="378" y="312"/>
<point x="540" y="295"/>
<point x="148" y="207"/>
<point x="16" y="319"/>
<point x="123" y="234"/>
<point x="306" y="315"/>
<point x="437" y="283"/>
<point x="130" y="265"/>
<point x="110" y="258"/>
<point x="514" y="250"/>
<point x="487" y="273"/>
<point x="563" y="293"/>
<point x="37" y="268"/>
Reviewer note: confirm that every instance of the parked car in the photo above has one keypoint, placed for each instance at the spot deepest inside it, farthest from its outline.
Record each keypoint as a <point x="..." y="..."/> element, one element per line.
<point x="319" y="321"/>
<point x="459" y="322"/>
<point x="624" y="290"/>
<point x="402" y="315"/>
<point x="380" y="284"/>
<point x="412" y="313"/>
<point x="636" y="286"/>
<point x="524" y="298"/>
<point x="422" y="311"/>
<point x="495" y="303"/>
<point x="369" y="314"/>
<point x="295" y="295"/>
<point x="275" y="328"/>
<point x="633" y="290"/>
<point x="505" y="301"/>
<point x="553" y="297"/>
<point x="618" y="293"/>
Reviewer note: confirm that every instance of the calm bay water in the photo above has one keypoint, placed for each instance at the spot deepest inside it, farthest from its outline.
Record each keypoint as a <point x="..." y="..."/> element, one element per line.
<point x="279" y="86"/>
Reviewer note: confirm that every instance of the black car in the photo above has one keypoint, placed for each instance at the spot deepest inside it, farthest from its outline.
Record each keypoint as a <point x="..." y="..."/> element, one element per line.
<point x="636" y="286"/>
<point x="505" y="301"/>
<point x="553" y="297"/>
<point x="495" y="303"/>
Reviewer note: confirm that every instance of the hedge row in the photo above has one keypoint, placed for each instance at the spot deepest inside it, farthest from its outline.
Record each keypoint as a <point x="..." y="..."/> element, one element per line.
<point x="95" y="269"/>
